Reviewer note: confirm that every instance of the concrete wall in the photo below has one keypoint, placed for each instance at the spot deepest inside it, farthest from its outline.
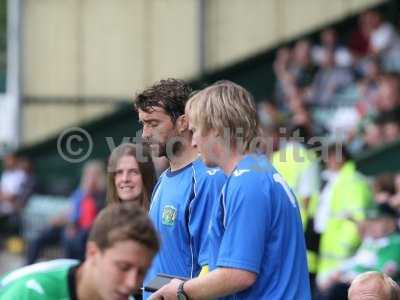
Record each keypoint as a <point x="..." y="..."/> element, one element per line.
<point x="110" y="49"/>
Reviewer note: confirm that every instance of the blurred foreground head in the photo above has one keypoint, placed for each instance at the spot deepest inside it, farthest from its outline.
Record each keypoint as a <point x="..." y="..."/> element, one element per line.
<point x="373" y="286"/>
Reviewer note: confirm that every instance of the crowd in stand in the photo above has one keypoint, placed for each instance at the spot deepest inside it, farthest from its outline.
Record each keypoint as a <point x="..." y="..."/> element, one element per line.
<point x="356" y="83"/>
<point x="340" y="92"/>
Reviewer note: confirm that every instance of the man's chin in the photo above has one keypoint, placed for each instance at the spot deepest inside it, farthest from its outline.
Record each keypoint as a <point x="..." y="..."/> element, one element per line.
<point x="209" y="163"/>
<point x="121" y="296"/>
<point x="157" y="150"/>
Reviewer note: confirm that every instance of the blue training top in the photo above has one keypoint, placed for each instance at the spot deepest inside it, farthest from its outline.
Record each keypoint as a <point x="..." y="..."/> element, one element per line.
<point x="256" y="226"/>
<point x="180" y="210"/>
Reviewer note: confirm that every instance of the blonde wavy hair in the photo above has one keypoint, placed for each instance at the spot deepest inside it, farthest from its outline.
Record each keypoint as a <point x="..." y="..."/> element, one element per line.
<point x="227" y="108"/>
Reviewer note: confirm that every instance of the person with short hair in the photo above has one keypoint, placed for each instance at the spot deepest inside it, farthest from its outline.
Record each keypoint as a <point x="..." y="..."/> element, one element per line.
<point x="373" y="286"/>
<point x="380" y="245"/>
<point x="256" y="240"/>
<point x="12" y="182"/>
<point x="71" y="227"/>
<point x="130" y="174"/>
<point x="120" y="249"/>
<point x="182" y="200"/>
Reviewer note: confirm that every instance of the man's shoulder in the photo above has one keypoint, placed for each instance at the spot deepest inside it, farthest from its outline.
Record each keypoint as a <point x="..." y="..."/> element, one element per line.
<point x="203" y="173"/>
<point x="38" y="281"/>
<point x="42" y="271"/>
<point x="253" y="167"/>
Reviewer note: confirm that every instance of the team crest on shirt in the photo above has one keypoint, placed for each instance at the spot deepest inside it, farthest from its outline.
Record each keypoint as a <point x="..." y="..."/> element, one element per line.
<point x="169" y="215"/>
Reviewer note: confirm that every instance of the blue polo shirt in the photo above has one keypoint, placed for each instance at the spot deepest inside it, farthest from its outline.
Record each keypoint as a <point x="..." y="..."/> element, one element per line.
<point x="256" y="227"/>
<point x="180" y="210"/>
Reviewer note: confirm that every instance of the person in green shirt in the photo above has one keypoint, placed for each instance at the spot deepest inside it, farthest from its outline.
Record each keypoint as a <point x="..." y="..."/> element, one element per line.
<point x="379" y="251"/>
<point x="120" y="249"/>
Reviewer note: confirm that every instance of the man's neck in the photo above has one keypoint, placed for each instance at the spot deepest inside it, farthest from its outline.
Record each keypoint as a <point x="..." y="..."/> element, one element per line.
<point x="84" y="284"/>
<point x="228" y="165"/>
<point x="182" y="158"/>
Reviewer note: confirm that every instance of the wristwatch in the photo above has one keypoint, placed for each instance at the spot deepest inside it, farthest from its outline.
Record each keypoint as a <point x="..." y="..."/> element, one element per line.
<point x="181" y="295"/>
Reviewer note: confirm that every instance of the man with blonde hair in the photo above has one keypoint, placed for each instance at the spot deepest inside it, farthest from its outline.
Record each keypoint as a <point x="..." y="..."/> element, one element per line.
<point x="256" y="242"/>
<point x="373" y="286"/>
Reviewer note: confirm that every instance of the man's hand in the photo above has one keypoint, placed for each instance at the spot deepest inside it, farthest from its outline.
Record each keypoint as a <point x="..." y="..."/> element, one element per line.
<point x="168" y="291"/>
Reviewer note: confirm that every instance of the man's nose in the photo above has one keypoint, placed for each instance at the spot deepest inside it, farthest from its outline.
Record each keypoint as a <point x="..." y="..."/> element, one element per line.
<point x="132" y="281"/>
<point x="146" y="133"/>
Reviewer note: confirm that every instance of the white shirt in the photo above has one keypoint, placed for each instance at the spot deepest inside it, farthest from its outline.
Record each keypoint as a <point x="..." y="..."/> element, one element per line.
<point x="12" y="182"/>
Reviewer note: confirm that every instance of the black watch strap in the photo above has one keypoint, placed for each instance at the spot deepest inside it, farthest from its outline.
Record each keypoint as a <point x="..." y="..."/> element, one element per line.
<point x="181" y="292"/>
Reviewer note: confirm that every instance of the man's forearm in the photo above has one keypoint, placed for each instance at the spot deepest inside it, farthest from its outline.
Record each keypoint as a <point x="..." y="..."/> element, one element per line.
<point x="219" y="283"/>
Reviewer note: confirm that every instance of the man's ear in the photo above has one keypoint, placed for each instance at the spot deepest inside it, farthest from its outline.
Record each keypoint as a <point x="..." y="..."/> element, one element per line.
<point x="182" y="123"/>
<point x="92" y="250"/>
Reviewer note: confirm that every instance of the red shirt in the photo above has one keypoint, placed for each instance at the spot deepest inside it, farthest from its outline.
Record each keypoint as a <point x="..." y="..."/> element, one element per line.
<point x="88" y="212"/>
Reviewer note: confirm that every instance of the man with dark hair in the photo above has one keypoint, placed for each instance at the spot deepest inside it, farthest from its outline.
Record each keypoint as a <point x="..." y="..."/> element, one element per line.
<point x="119" y="251"/>
<point x="184" y="195"/>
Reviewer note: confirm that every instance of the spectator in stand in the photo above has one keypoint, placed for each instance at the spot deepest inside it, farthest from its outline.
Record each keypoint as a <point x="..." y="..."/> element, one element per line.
<point x="11" y="186"/>
<point x="89" y="201"/>
<point x="271" y="120"/>
<point x="329" y="41"/>
<point x="297" y="162"/>
<point x="384" y="41"/>
<point x="370" y="135"/>
<point x="284" y="80"/>
<point x="358" y="41"/>
<point x="72" y="230"/>
<point x="389" y="93"/>
<point x="345" y="204"/>
<point x="16" y="186"/>
<point x="368" y="88"/>
<point x="302" y="68"/>
<point x="394" y="201"/>
<point x="269" y="114"/>
<point x="379" y="251"/>
<point x="391" y="126"/>
<point x="29" y="185"/>
<point x="329" y="80"/>
<point x="387" y="191"/>
<point x="384" y="188"/>
<point x="294" y="72"/>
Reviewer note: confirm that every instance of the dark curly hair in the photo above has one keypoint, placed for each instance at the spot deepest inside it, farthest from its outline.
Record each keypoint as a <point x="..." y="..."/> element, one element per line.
<point x="170" y="94"/>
